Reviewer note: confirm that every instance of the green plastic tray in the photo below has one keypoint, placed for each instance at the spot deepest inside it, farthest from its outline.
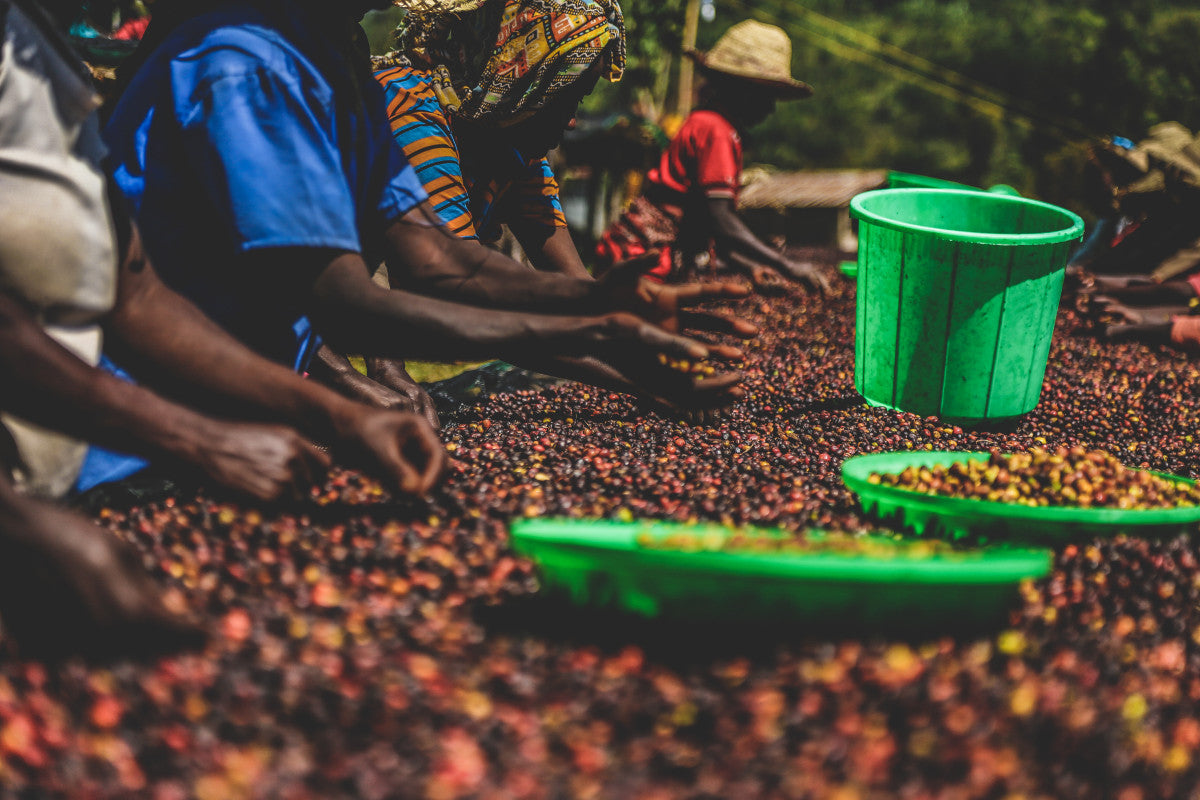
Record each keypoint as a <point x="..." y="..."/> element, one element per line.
<point x="600" y="563"/>
<point x="957" y="517"/>
<point x="849" y="268"/>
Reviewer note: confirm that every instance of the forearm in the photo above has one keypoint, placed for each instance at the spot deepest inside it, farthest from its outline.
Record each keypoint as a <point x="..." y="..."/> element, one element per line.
<point x="426" y="259"/>
<point x="551" y="250"/>
<point x="355" y="315"/>
<point x="732" y="236"/>
<point x="59" y="391"/>
<point x="158" y="334"/>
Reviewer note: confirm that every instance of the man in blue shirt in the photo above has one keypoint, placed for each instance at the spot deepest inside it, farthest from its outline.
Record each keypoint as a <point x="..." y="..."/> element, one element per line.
<point x="255" y="148"/>
<point x="64" y="583"/>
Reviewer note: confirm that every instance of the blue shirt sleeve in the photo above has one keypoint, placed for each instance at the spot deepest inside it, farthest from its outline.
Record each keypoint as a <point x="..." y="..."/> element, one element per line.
<point x="264" y="148"/>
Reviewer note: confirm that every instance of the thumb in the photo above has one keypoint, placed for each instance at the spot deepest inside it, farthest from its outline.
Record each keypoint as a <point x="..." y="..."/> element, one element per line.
<point x="396" y="464"/>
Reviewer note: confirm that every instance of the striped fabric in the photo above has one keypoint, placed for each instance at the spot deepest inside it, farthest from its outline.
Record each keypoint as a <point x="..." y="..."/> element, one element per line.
<point x="504" y="61"/>
<point x="476" y="200"/>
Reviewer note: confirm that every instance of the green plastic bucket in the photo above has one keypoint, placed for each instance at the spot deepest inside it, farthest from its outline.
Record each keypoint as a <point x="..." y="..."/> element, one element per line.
<point x="957" y="296"/>
<point x="909" y="180"/>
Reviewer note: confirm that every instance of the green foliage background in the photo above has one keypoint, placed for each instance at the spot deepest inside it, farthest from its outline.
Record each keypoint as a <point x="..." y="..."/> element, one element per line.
<point x="1064" y="71"/>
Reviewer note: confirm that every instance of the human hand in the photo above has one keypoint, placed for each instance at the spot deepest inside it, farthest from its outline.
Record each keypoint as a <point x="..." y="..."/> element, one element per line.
<point x="1113" y="284"/>
<point x="67" y="587"/>
<point x="1145" y="315"/>
<point x="386" y="385"/>
<point x="697" y="398"/>
<point x="625" y="353"/>
<point x="672" y="307"/>
<point x="267" y="462"/>
<point x="806" y="273"/>
<point x="767" y="281"/>
<point x="392" y="375"/>
<point x="400" y="446"/>
<point x="656" y="364"/>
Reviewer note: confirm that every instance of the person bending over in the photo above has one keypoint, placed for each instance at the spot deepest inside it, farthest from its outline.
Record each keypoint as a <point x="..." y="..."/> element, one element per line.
<point x="64" y="583"/>
<point x="689" y="205"/>
<point x="521" y="68"/>
<point x="254" y="146"/>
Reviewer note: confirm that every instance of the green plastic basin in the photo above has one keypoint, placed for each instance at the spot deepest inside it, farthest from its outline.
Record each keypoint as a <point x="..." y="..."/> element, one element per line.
<point x="957" y="296"/>
<point x="955" y="517"/>
<point x="600" y="563"/>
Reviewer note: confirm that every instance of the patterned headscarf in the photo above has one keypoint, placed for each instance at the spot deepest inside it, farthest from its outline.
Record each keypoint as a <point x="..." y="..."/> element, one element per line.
<point x="501" y="61"/>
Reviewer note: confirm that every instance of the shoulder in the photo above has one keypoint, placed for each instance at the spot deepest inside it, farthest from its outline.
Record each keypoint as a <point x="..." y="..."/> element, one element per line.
<point x="707" y="123"/>
<point x="256" y="64"/>
<point x="233" y="51"/>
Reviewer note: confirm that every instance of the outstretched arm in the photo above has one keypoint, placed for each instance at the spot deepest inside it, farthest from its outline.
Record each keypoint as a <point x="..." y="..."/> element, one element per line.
<point x="358" y="315"/>
<point x="156" y="332"/>
<point x="738" y="244"/>
<point x="427" y="259"/>
<point x="59" y="391"/>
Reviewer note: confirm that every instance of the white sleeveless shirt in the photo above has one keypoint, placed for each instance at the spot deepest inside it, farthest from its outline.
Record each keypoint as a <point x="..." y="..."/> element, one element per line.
<point x="58" y="249"/>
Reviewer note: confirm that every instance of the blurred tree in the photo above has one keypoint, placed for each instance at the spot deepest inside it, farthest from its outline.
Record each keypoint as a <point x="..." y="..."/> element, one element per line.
<point x="655" y="35"/>
<point x="380" y="27"/>
<point x="980" y="91"/>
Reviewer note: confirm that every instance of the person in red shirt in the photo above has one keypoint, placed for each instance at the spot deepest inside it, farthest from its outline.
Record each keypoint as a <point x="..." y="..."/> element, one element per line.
<point x="689" y="206"/>
<point x="132" y="29"/>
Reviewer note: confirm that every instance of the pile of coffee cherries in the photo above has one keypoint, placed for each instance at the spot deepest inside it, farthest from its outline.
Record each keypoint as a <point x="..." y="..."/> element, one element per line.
<point x="366" y="646"/>
<point x="1074" y="478"/>
<point x="745" y="542"/>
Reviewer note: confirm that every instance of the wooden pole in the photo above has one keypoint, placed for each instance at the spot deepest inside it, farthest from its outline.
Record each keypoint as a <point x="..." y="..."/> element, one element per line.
<point x="687" y="70"/>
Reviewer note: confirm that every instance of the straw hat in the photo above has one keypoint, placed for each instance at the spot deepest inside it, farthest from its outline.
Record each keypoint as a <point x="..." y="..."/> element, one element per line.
<point x="758" y="53"/>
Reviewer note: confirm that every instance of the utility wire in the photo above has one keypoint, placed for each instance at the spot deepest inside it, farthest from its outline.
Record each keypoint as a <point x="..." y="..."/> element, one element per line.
<point x="854" y="45"/>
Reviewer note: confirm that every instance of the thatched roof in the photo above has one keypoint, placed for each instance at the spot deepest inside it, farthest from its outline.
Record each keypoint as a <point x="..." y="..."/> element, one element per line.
<point x="832" y="189"/>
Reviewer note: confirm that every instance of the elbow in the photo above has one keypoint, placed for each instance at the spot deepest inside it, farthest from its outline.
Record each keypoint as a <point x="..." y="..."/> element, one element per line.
<point x="18" y="327"/>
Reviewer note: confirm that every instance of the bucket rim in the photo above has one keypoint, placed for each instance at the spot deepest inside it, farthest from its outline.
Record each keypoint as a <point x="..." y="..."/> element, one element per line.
<point x="1073" y="231"/>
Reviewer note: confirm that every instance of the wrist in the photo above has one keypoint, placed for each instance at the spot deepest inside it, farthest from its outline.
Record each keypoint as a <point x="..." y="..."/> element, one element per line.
<point x="384" y="365"/>
<point x="595" y="296"/>
<point x="344" y="417"/>
<point x="184" y="435"/>
<point x="332" y="369"/>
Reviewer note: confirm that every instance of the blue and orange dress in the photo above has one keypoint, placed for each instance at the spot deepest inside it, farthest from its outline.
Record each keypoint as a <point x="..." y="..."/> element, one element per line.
<point x="474" y="194"/>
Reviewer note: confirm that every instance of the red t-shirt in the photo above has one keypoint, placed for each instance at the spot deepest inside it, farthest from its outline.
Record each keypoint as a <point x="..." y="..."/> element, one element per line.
<point x="133" y="29"/>
<point x="704" y="158"/>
